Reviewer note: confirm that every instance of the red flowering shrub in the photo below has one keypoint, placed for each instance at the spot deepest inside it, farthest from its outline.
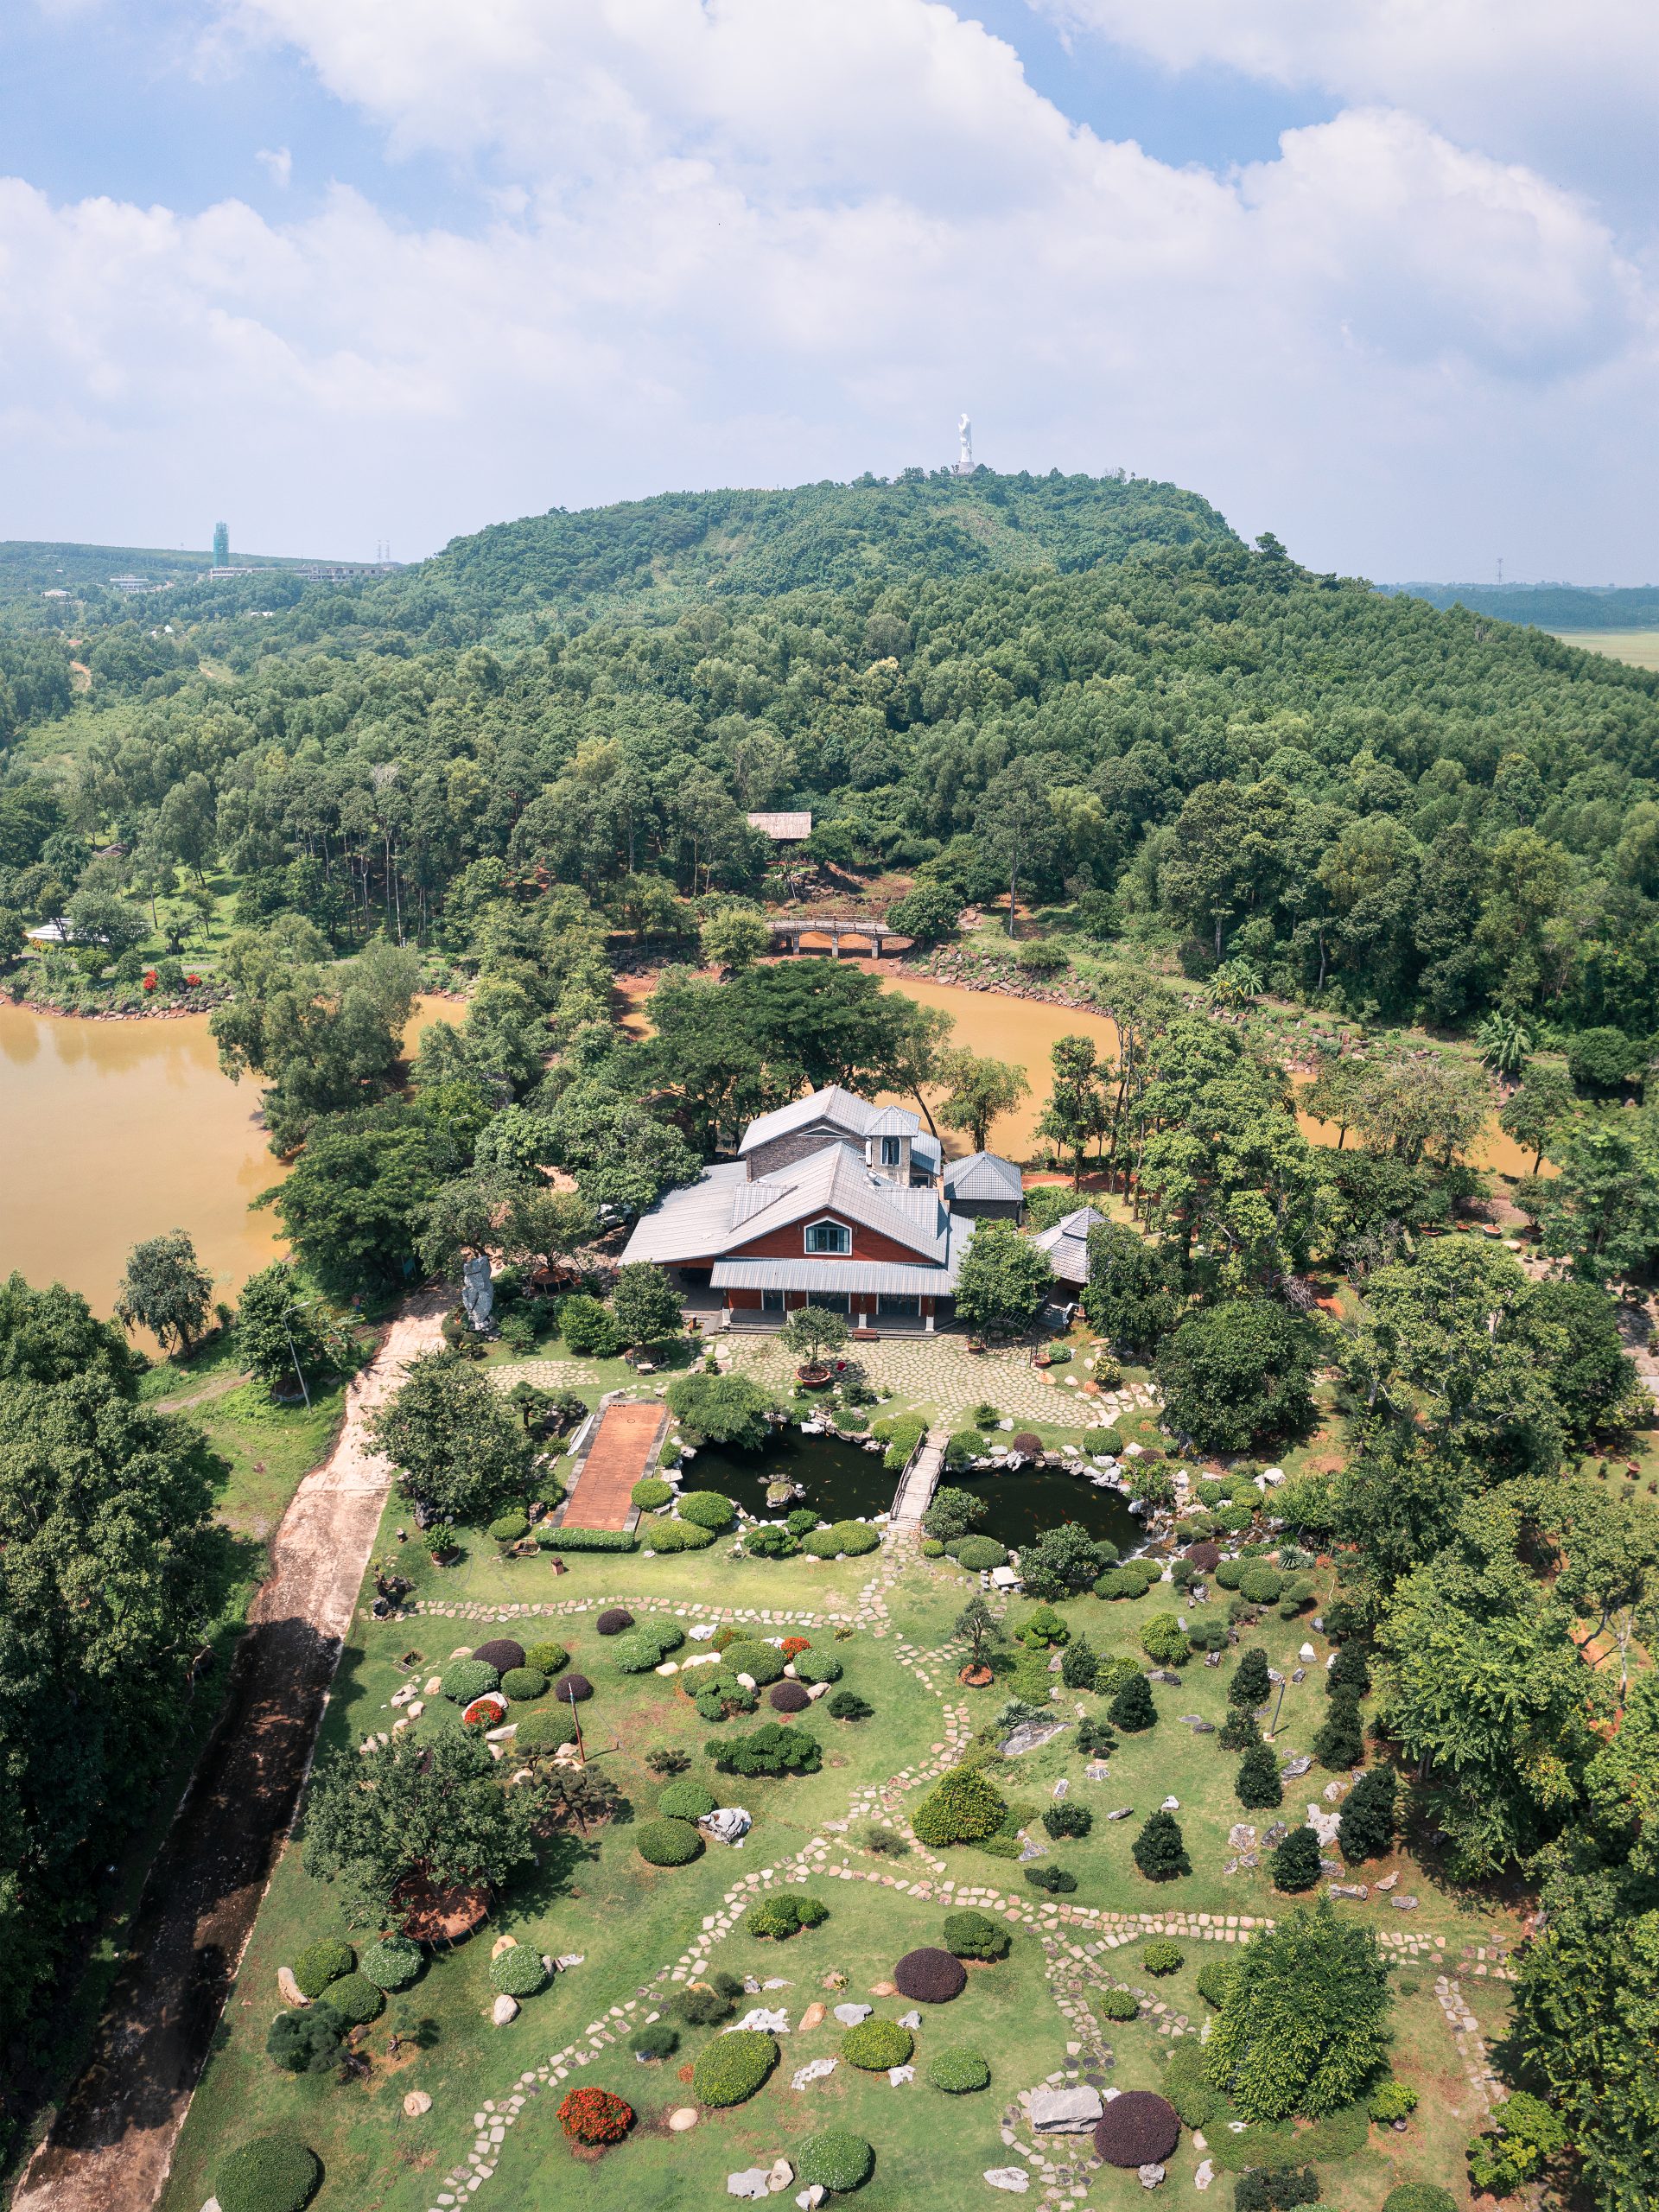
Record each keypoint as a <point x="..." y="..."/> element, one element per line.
<point x="192" y="981"/>
<point x="149" y="979"/>
<point x="486" y="1712"/>
<point x="595" y="2116"/>
<point x="792" y="1646"/>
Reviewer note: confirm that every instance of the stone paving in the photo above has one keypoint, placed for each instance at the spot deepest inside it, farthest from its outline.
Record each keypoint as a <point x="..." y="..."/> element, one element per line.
<point x="942" y="1372"/>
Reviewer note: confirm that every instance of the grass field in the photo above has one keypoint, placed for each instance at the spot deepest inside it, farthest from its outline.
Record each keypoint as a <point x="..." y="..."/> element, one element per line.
<point x="641" y="1929"/>
<point x="1639" y="647"/>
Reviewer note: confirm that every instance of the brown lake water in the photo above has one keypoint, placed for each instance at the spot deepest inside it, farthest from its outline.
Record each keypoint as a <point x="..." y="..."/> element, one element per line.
<point x="113" y="1131"/>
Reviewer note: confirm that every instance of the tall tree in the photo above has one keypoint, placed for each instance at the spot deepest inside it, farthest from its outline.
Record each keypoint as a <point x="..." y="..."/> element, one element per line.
<point x="979" y="1089"/>
<point x="447" y="1430"/>
<point x="166" y="1289"/>
<point x="1305" y="2024"/>
<point x="1016" y="826"/>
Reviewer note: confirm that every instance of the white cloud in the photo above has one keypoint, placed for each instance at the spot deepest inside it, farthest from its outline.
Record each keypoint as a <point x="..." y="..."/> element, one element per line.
<point x="757" y="244"/>
<point x="277" y="163"/>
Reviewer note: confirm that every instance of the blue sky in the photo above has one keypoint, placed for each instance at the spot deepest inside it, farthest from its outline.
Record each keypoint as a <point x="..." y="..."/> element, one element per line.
<point x="1377" y="277"/>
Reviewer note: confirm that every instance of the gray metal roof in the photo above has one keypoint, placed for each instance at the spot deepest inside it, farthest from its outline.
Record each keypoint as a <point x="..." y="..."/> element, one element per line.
<point x="841" y="1110"/>
<point x="982" y="1175"/>
<point x="691" y="1222"/>
<point x="786" y="827"/>
<point x="1067" y="1243"/>
<point x="724" y="1208"/>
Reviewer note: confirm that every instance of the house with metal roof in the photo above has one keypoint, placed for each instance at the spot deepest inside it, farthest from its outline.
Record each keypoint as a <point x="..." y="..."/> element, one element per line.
<point x="985" y="1185"/>
<point x="831" y="1201"/>
<point x="1067" y="1245"/>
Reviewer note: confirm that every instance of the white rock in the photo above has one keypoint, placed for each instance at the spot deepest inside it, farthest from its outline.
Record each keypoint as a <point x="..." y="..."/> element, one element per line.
<point x="703" y="1631"/>
<point x="668" y="1667"/>
<point x="899" y="2074"/>
<point x="416" y="1708"/>
<point x="1065" y="2111"/>
<point x="752" y="2182"/>
<point x="819" y="2070"/>
<point x="781" y="2174"/>
<point x="909" y="2020"/>
<point x="417" y="2102"/>
<point x="701" y="1659"/>
<point x="771" y="2023"/>
<point x="287" y="1989"/>
<point x="810" y="2199"/>
<point x="1150" y="2176"/>
<point x="1014" y="2179"/>
<point x="504" y="2010"/>
<point x="502" y="1943"/>
<point x="748" y="1682"/>
<point x="1307" y="1653"/>
<point x="685" y="2118"/>
<point x="850" y="2015"/>
<point x="815" y="1690"/>
<point x="726" y="1823"/>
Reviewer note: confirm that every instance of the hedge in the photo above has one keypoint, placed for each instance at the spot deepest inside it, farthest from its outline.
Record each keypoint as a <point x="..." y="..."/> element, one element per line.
<point x="855" y="1538"/>
<point x="733" y="2066"/>
<point x="356" y="2000"/>
<point x="273" y="2173"/>
<point x="466" y="1679"/>
<point x="931" y="1547"/>
<point x="649" y="1492"/>
<point x="959" y="2071"/>
<point x="707" y="1509"/>
<point x="637" y="1655"/>
<point x="1187" y="2085"/>
<point x="555" y="1725"/>
<point x="816" y="1667"/>
<point x="518" y="1973"/>
<point x="1126" y="1581"/>
<point x="764" y="1662"/>
<point x="1230" y="1573"/>
<point x="679" y="1536"/>
<point x="322" y="1962"/>
<point x="975" y="1936"/>
<point x="523" y="1685"/>
<point x="392" y="1963"/>
<point x="876" y="2045"/>
<point x="835" y="2160"/>
<point x="548" y="1659"/>
<point x="685" y="1801"/>
<point x="584" y="1540"/>
<point x="977" y="1554"/>
<point x="668" y="1843"/>
<point x="772" y="1748"/>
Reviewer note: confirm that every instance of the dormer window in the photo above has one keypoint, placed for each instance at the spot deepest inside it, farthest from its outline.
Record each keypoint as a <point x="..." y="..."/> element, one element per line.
<point x="890" y="1152"/>
<point x="829" y="1238"/>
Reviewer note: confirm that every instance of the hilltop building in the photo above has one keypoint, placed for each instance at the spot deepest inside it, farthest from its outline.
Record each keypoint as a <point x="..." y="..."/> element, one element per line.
<point x="221" y="545"/>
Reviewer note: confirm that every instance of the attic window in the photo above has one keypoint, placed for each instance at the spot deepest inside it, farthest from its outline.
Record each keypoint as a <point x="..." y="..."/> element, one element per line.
<point x="889" y="1151"/>
<point x="829" y="1236"/>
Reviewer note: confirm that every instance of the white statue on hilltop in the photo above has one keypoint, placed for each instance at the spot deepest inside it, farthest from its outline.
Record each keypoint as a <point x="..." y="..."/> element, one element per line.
<point x="965" y="440"/>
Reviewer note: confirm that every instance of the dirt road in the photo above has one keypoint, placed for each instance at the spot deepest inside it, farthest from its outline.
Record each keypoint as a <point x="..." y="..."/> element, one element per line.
<point x="111" y="2147"/>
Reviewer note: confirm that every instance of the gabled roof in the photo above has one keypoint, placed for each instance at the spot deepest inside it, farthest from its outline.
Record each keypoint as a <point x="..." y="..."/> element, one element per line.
<point x="1067" y="1243"/>
<point x="834" y="1108"/>
<point x="982" y="1175"/>
<point x="836" y="1180"/>
<point x="876" y="1277"/>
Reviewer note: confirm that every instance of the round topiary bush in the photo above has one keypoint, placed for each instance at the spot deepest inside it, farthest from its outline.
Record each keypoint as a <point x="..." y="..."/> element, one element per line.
<point x="929" y="1976"/>
<point x="637" y="1653"/>
<point x="466" y="1679"/>
<point x="980" y="1553"/>
<point x="322" y="1962"/>
<point x="356" y="2000"/>
<point x="658" y="2039"/>
<point x="650" y="1492"/>
<point x="816" y="1667"/>
<point x="668" y="1843"/>
<point x="975" y="1936"/>
<point x="1410" y="2197"/>
<point x="958" y="2071"/>
<point x="679" y="1536"/>
<point x="1116" y="2003"/>
<point x="518" y="1973"/>
<point x="500" y="1652"/>
<point x="614" y="1620"/>
<point x="762" y="1663"/>
<point x="545" y="1730"/>
<point x="572" y="1689"/>
<point x="788" y="1697"/>
<point x="595" y="2116"/>
<point x="1163" y="1957"/>
<point x="273" y="2173"/>
<point x="548" y="1659"/>
<point x="392" y="1963"/>
<point x="835" y="2160"/>
<point x="1137" y="2129"/>
<point x="733" y="2066"/>
<point x="1261" y="1584"/>
<point x="707" y="1509"/>
<point x="685" y="1801"/>
<point x="523" y="1684"/>
<point x="1230" y="1573"/>
<point x="509" y="1527"/>
<point x="931" y="1547"/>
<point x="876" y="2045"/>
<point x="1206" y="1557"/>
<point x="1163" y="1640"/>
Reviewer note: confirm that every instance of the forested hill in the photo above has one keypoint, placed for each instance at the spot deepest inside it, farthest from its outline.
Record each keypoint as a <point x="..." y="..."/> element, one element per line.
<point x="1549" y="606"/>
<point x="816" y="537"/>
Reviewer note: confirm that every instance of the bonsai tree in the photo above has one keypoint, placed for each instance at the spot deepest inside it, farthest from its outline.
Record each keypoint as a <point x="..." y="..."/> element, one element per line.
<point x="647" y="1310"/>
<point x="812" y="1330"/>
<point x="977" y="1626"/>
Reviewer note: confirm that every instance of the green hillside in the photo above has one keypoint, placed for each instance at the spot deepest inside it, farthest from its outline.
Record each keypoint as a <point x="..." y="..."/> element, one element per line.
<point x="1550" y="607"/>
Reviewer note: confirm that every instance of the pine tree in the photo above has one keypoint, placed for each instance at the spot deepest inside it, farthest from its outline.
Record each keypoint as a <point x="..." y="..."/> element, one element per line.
<point x="1132" y="1709"/>
<point x="1250" y="1685"/>
<point x="1161" y="1849"/>
<point x="1080" y="1665"/>
<point x="1257" y="1785"/>
<point x="1367" y="1829"/>
<point x="1239" y="1729"/>
<point x="1296" y="1863"/>
<point x="1341" y="1742"/>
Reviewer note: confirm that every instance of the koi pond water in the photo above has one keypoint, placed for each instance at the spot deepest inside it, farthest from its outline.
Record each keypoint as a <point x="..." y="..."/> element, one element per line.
<point x="842" y="1482"/>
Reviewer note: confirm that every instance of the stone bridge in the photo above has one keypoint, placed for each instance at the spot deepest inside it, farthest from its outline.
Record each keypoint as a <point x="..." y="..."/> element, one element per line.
<point x="787" y="934"/>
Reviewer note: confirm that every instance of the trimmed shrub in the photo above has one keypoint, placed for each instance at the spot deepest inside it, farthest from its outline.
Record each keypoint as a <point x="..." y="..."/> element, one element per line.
<point x="573" y="1689"/>
<point x="1339" y="1743"/>
<point x="356" y="2000"/>
<point x="963" y="1808"/>
<point x="703" y="2005"/>
<point x="1043" y="1630"/>
<point x="931" y="1547"/>
<point x="392" y="1963"/>
<point x="650" y="1492"/>
<point x="595" y="2116"/>
<point x="1261" y="1584"/>
<point x="707" y="1509"/>
<point x="678" y="1537"/>
<point x="668" y="1843"/>
<point x="1204" y="1556"/>
<point x="1049" y="1877"/>
<point x="466" y="1679"/>
<point x="1162" y="1955"/>
<point x="1295" y="1863"/>
<point x="1367" y="1826"/>
<point x="1137" y="2129"/>
<point x="546" y="1730"/>
<point x="1160" y="1850"/>
<point x="1132" y="1708"/>
<point x="1116" y="2003"/>
<point x="273" y="2173"/>
<point x="1256" y="1785"/>
<point x="615" y="1620"/>
<point x="1274" y="2188"/>
<point x="308" y="2041"/>
<point x="778" y="1918"/>
<point x="958" y="2072"/>
<point x="1229" y="1574"/>
<point x="1067" y="1819"/>
<point x="835" y="2160"/>
<point x="1207" y="1636"/>
<point x="637" y="1655"/>
<point x="768" y="1542"/>
<point x="855" y="1538"/>
<point x="509" y="1527"/>
<point x="548" y="1659"/>
<point x="847" y="1705"/>
<point x="929" y="1976"/>
<point x="978" y="1554"/>
<point x="685" y="1801"/>
<point x="1214" y="1979"/>
<point x="816" y="1667"/>
<point x="567" y="1538"/>
<point x="788" y="1697"/>
<point x="500" y="1652"/>
<point x="518" y="1973"/>
<point x="764" y="1662"/>
<point x="521" y="1685"/>
<point x="322" y="1962"/>
<point x="1186" y="2084"/>
<point x="975" y="1936"/>
<point x="1350" y="1669"/>
<point x="1163" y="1640"/>
<point x="876" y="2045"/>
<point x="1410" y="2197"/>
<point x="1239" y="1729"/>
<point x="1112" y="1671"/>
<point x="657" y="2039"/>
<point x="733" y="2066"/>
<point x="1251" y="1684"/>
<point x="1391" y="2100"/>
<point x="770" y="1748"/>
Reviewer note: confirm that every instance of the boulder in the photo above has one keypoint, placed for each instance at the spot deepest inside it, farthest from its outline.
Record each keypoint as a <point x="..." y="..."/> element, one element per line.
<point x="909" y="2020"/>
<point x="1241" y="1836"/>
<point x="781" y="2174"/>
<point x="752" y="2182"/>
<point x="726" y="1824"/>
<point x="1204" y="2175"/>
<point x="771" y="2024"/>
<point x="502" y="1943"/>
<point x="1170" y="1805"/>
<point x="1014" y="2179"/>
<point x="818" y="2069"/>
<point x="1403" y="1904"/>
<point x="882" y="1989"/>
<point x="287" y="1989"/>
<point x="810" y="2199"/>
<point x="1065" y="2111"/>
<point x="850" y="2015"/>
<point x="1388" y="1883"/>
<point x="813" y="2015"/>
<point x="898" y="2076"/>
<point x="1150" y="2176"/>
<point x="504" y="2010"/>
<point x="1293" y="1770"/>
<point x="417" y="2102"/>
<point x="680" y="2121"/>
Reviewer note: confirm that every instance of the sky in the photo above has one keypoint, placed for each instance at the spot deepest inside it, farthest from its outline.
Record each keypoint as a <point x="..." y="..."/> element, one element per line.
<point x="1378" y="276"/>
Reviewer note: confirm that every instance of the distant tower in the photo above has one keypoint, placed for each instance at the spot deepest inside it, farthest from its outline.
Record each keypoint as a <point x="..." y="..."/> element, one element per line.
<point x="221" y="545"/>
<point x="965" y="440"/>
